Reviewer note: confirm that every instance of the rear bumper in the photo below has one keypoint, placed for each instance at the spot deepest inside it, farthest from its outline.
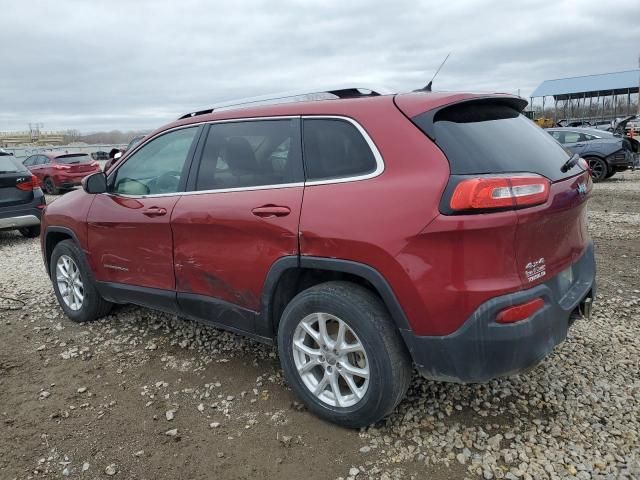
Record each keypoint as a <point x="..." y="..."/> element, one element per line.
<point x="623" y="163"/>
<point x="483" y="349"/>
<point x="19" y="216"/>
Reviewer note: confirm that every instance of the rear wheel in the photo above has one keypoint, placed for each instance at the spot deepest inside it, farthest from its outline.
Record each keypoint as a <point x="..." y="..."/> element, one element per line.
<point x="342" y="354"/>
<point x="599" y="168"/>
<point x="50" y="186"/>
<point x="73" y="284"/>
<point x="30" y="232"/>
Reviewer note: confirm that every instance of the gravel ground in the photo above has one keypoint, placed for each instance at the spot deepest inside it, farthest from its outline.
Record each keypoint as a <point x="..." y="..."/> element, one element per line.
<point x="146" y="395"/>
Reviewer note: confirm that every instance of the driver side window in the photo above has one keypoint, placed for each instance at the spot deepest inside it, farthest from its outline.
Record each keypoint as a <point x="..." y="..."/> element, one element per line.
<point x="156" y="167"/>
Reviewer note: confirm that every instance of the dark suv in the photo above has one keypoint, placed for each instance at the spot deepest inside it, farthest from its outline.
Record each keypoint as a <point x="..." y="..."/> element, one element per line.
<point x="21" y="199"/>
<point x="360" y="234"/>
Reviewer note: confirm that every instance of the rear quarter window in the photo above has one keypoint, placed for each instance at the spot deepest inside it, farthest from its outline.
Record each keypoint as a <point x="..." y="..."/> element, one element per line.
<point x="334" y="149"/>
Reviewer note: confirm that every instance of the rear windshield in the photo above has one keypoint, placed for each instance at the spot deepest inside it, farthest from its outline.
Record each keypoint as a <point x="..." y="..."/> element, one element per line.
<point x="485" y="137"/>
<point x="81" y="158"/>
<point x="9" y="165"/>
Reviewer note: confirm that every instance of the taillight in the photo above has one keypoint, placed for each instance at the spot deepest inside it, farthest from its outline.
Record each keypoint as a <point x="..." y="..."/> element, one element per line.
<point x="28" y="184"/>
<point x="486" y="193"/>
<point x="520" y="312"/>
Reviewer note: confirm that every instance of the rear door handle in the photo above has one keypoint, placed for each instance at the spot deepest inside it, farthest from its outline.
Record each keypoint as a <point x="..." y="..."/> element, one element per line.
<point x="271" y="211"/>
<point x="155" y="212"/>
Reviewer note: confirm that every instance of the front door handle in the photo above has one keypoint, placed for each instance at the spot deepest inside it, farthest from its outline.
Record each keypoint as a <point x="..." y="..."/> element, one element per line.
<point x="155" y="212"/>
<point x="271" y="211"/>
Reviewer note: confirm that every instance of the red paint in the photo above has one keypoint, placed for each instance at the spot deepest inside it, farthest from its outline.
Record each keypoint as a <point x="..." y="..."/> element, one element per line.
<point x="127" y="245"/>
<point x="440" y="267"/>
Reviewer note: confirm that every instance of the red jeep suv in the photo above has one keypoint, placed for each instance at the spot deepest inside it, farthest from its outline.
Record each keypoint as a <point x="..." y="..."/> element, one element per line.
<point x="360" y="234"/>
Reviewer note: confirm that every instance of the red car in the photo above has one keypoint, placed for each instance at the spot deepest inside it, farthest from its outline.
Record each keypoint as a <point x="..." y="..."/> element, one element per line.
<point x="61" y="171"/>
<point x="361" y="235"/>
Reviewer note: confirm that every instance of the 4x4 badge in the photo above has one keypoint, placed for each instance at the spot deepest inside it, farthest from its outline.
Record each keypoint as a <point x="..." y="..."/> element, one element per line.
<point x="582" y="188"/>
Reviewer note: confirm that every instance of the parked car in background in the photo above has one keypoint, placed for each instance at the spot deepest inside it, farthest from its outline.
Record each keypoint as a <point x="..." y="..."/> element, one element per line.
<point x="61" y="171"/>
<point x="605" y="152"/>
<point x="574" y="123"/>
<point x="361" y="235"/>
<point x="100" y="156"/>
<point x="21" y="199"/>
<point x="115" y="155"/>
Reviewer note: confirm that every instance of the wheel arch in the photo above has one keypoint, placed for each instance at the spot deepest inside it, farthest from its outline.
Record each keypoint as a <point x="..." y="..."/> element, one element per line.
<point x="52" y="237"/>
<point x="290" y="275"/>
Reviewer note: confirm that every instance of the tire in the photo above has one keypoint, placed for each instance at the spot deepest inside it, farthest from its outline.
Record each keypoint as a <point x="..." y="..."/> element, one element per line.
<point x="50" y="186"/>
<point x="610" y="174"/>
<point x="599" y="168"/>
<point x="30" y="232"/>
<point x="91" y="306"/>
<point x="367" y="325"/>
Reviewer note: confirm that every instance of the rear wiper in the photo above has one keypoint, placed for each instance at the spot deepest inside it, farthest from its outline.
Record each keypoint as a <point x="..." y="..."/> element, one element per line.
<point x="569" y="164"/>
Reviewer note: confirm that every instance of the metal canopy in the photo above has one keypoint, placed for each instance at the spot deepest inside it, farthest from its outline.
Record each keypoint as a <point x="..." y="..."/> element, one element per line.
<point x="590" y="85"/>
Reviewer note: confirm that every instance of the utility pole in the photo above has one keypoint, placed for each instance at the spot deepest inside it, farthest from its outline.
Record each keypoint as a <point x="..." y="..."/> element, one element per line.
<point x="638" y="101"/>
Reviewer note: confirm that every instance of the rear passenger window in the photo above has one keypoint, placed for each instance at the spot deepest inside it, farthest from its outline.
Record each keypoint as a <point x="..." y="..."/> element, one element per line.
<point x="335" y="148"/>
<point x="251" y="154"/>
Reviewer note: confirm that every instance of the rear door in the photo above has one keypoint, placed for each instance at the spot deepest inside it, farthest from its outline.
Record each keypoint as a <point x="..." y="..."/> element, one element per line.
<point x="492" y="137"/>
<point x="240" y="217"/>
<point x="130" y="239"/>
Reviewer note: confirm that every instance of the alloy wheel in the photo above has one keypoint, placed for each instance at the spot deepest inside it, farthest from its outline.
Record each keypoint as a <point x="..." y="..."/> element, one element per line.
<point x="69" y="282"/>
<point x="598" y="168"/>
<point x="331" y="360"/>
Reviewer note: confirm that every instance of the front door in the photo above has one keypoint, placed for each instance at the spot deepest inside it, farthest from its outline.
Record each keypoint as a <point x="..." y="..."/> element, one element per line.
<point x="241" y="217"/>
<point x="129" y="234"/>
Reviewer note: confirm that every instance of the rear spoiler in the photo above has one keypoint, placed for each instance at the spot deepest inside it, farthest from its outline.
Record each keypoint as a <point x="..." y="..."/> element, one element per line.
<point x="427" y="118"/>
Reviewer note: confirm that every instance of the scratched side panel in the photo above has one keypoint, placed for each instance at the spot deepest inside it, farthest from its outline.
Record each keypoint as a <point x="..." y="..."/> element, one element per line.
<point x="222" y="250"/>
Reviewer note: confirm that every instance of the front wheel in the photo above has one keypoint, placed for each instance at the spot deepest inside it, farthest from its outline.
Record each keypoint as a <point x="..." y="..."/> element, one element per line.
<point x="342" y="354"/>
<point x="73" y="284"/>
<point x="599" y="168"/>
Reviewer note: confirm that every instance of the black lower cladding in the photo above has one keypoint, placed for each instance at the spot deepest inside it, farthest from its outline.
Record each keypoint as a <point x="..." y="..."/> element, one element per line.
<point x="192" y="306"/>
<point x="483" y="349"/>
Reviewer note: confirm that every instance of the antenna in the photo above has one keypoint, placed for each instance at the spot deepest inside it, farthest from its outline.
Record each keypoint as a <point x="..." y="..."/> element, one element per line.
<point x="427" y="88"/>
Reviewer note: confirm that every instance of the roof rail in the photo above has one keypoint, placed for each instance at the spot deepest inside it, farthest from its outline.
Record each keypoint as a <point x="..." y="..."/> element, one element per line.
<point x="293" y="96"/>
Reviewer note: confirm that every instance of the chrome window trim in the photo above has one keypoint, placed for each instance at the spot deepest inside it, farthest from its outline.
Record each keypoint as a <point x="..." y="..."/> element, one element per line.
<point x="380" y="166"/>
<point x="372" y="146"/>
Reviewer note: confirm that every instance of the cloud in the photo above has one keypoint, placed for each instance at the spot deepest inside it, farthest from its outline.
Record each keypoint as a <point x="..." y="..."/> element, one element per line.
<point x="128" y="65"/>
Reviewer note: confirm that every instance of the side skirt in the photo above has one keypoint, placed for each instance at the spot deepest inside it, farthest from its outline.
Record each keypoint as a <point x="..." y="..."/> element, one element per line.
<point x="200" y="308"/>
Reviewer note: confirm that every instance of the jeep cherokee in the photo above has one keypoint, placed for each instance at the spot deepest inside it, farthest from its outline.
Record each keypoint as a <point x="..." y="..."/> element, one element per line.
<point x="361" y="234"/>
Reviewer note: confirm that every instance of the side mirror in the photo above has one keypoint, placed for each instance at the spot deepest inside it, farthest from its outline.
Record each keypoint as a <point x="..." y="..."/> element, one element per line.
<point x="95" y="183"/>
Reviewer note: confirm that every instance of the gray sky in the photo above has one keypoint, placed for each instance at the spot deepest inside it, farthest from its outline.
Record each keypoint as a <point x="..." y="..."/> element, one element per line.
<point x="120" y="64"/>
